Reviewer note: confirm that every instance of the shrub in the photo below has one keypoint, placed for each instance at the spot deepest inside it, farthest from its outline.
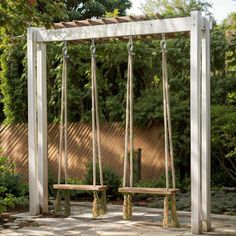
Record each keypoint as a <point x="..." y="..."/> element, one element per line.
<point x="12" y="191"/>
<point x="223" y="145"/>
<point x="111" y="179"/>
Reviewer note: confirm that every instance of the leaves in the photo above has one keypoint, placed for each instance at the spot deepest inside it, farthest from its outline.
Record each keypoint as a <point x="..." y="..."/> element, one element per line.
<point x="11" y="189"/>
<point x="173" y="8"/>
<point x="16" y="16"/>
<point x="86" y="9"/>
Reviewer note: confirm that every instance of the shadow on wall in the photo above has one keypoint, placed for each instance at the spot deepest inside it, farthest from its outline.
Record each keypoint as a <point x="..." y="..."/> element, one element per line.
<point x="14" y="144"/>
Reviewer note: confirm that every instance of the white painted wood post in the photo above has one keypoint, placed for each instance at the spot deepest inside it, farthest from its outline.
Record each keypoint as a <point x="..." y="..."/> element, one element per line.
<point x="32" y="122"/>
<point x="195" y="115"/>
<point x="42" y="127"/>
<point x="206" y="144"/>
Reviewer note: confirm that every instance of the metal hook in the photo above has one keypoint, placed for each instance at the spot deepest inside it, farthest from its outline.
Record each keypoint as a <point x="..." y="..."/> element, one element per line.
<point x="65" y="51"/>
<point x="130" y="45"/>
<point x="163" y="43"/>
<point x="93" y="48"/>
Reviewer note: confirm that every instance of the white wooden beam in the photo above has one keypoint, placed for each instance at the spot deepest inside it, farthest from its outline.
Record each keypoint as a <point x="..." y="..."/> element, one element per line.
<point x="149" y="27"/>
<point x="42" y="127"/>
<point x="206" y="144"/>
<point x="195" y="115"/>
<point x="32" y="122"/>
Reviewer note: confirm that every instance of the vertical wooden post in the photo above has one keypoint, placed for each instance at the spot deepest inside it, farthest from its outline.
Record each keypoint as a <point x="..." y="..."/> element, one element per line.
<point x="42" y="127"/>
<point x="32" y="123"/>
<point x="206" y="161"/>
<point x="139" y="165"/>
<point x="195" y="114"/>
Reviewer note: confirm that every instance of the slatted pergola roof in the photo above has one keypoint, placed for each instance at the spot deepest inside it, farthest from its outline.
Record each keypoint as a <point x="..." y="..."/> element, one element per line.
<point x="113" y="20"/>
<point x="102" y="21"/>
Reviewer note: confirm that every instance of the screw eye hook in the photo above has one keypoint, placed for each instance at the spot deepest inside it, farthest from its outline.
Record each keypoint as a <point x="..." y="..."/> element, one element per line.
<point x="93" y="48"/>
<point x="163" y="43"/>
<point x="65" y="51"/>
<point x="130" y="45"/>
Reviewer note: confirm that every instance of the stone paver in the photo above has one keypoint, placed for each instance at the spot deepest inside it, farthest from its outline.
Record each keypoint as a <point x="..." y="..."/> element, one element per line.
<point x="145" y="222"/>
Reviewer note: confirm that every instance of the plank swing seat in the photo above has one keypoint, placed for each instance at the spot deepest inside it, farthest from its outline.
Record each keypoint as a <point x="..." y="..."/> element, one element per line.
<point x="128" y="191"/>
<point x="144" y="190"/>
<point x="76" y="187"/>
<point x="168" y="193"/>
<point x="99" y="191"/>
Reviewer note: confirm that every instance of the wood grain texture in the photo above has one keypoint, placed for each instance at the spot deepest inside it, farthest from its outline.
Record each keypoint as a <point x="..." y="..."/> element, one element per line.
<point x="161" y="191"/>
<point x="80" y="187"/>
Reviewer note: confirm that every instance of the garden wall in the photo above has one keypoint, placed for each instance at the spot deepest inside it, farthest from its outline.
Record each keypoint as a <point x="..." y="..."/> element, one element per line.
<point x="14" y="144"/>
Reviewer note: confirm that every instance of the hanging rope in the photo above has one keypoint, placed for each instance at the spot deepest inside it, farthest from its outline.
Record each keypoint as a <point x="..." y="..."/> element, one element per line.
<point x="167" y="116"/>
<point x="99" y="203"/>
<point x="65" y="58"/>
<point x="130" y="74"/>
<point x="93" y="72"/>
<point x="62" y="152"/>
<point x="129" y="143"/>
<point x="63" y="137"/>
<point x="129" y="117"/>
<point x="95" y="118"/>
<point x="163" y="47"/>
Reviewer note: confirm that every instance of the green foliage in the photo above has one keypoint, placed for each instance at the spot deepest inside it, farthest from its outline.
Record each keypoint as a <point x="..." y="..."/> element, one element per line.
<point x="223" y="144"/>
<point x="154" y="183"/>
<point x="86" y="9"/>
<point x="16" y="16"/>
<point x="111" y="179"/>
<point x="12" y="191"/>
<point x="173" y="8"/>
<point x="230" y="21"/>
<point x="115" y="13"/>
<point x="160" y="183"/>
<point x="223" y="90"/>
<point x="13" y="83"/>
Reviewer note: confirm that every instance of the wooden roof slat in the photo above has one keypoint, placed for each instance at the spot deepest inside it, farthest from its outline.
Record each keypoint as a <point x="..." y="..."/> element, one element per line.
<point x="69" y="24"/>
<point x="58" y="25"/>
<point x="123" y="19"/>
<point x="158" y="16"/>
<point x="110" y="20"/>
<point x="95" y="22"/>
<point x="81" y="23"/>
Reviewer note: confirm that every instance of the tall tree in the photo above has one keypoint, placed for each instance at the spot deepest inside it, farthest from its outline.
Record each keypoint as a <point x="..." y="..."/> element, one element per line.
<point x="171" y="8"/>
<point x="16" y="16"/>
<point x="85" y="9"/>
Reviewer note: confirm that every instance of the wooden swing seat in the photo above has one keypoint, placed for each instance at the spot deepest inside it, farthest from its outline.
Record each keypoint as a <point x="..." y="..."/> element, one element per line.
<point x="168" y="193"/>
<point x="80" y="187"/>
<point x="160" y="191"/>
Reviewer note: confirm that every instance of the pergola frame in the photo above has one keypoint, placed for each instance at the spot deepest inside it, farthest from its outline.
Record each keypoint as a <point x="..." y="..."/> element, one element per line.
<point x="199" y="27"/>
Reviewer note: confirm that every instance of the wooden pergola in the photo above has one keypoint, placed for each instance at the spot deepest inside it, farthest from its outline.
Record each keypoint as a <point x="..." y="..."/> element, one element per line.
<point x="197" y="25"/>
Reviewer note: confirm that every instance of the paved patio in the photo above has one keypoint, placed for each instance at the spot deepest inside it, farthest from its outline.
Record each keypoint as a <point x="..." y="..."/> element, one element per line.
<point x="145" y="222"/>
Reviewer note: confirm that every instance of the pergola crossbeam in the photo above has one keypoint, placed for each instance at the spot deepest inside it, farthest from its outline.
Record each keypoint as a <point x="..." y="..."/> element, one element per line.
<point x="137" y="28"/>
